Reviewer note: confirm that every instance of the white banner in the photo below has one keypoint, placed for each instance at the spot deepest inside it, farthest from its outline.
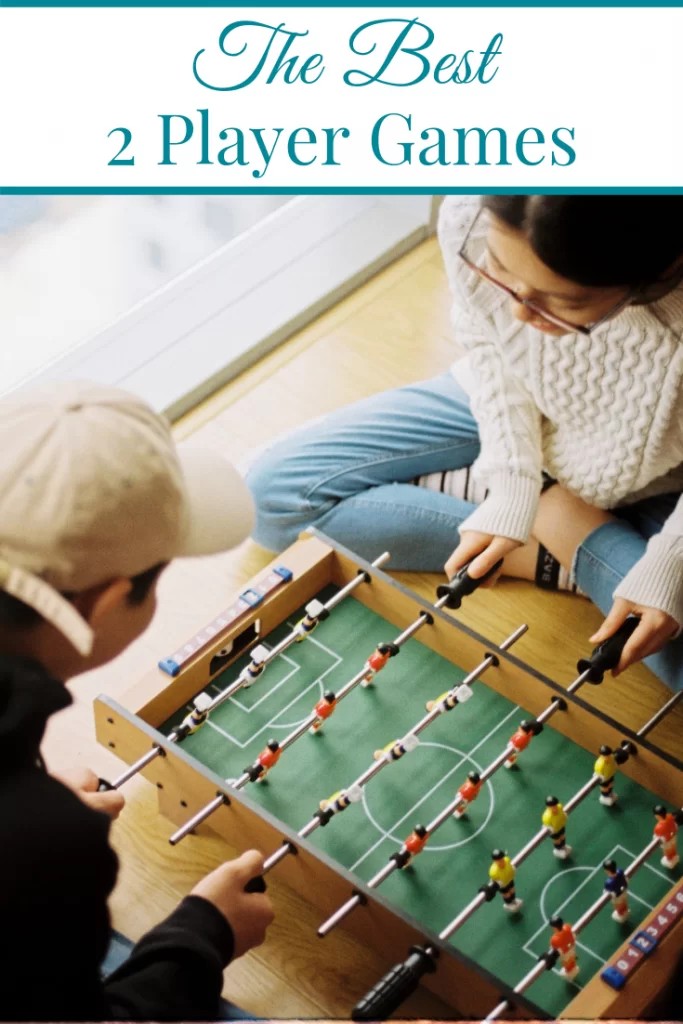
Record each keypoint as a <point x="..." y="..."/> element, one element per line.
<point x="338" y="98"/>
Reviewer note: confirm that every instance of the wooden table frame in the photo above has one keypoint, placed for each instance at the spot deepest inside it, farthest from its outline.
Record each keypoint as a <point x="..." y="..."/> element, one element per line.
<point x="130" y="728"/>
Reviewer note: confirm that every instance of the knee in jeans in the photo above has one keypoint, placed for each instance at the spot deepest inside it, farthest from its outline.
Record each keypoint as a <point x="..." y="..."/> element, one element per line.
<point x="274" y="487"/>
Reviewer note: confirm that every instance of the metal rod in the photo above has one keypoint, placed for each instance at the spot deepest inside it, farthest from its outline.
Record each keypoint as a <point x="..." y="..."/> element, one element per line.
<point x="585" y="919"/>
<point x="275" y="858"/>
<point x="137" y="766"/>
<point x="557" y="702"/>
<point x="411" y="630"/>
<point x="273" y="653"/>
<point x="356" y="581"/>
<point x="463" y="916"/>
<point x="524" y="984"/>
<point x="392" y="866"/>
<point x="532" y="845"/>
<point x="197" y="819"/>
<point x="292" y="637"/>
<point x="662" y="713"/>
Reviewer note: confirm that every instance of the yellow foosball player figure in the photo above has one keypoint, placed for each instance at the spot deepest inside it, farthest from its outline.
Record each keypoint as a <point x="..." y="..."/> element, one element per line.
<point x="606" y="767"/>
<point x="315" y="611"/>
<point x="564" y="941"/>
<point x="502" y="872"/>
<point x="397" y="748"/>
<point x="555" y="818"/>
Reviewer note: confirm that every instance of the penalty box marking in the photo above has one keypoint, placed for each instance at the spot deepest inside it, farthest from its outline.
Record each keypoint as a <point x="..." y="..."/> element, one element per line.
<point x="386" y="834"/>
<point x="591" y="874"/>
<point x="273" y="724"/>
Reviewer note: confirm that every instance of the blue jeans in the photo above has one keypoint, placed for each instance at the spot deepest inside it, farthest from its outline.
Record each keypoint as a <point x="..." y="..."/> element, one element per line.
<point x="120" y="949"/>
<point x="350" y="474"/>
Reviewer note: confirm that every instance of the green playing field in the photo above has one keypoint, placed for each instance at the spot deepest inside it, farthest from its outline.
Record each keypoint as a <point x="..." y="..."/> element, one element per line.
<point x="415" y="789"/>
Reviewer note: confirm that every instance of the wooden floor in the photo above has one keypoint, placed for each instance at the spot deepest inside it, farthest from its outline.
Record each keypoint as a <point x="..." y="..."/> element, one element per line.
<point x="392" y="331"/>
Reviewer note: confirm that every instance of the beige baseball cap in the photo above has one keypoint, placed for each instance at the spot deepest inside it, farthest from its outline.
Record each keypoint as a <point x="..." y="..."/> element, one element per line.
<point x="93" y="488"/>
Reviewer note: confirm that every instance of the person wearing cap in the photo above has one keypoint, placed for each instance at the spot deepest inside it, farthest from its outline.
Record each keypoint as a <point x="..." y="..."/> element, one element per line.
<point x="94" y="502"/>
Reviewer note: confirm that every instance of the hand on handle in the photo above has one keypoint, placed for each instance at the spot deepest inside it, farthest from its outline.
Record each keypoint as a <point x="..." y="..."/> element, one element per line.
<point x="653" y="629"/>
<point x="463" y="584"/>
<point x="236" y="888"/>
<point x="607" y="655"/>
<point x="88" y="788"/>
<point x="256" y="884"/>
<point x="480" y="552"/>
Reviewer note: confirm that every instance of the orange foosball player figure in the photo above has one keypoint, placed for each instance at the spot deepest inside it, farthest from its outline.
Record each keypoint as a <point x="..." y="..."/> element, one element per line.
<point x="666" y="831"/>
<point x="268" y="758"/>
<point x="415" y="843"/>
<point x="468" y="792"/>
<point x="564" y="941"/>
<point x="522" y="738"/>
<point x="378" y="660"/>
<point x="323" y="710"/>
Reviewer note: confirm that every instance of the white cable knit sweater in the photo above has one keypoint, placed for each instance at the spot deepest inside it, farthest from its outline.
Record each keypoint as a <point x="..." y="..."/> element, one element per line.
<point x="601" y="414"/>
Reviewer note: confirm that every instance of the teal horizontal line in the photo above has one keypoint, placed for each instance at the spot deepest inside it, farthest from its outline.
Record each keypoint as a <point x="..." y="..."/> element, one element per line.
<point x="343" y="3"/>
<point x="566" y="190"/>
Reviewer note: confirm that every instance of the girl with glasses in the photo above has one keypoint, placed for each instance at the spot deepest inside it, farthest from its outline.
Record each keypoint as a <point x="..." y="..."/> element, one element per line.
<point x="556" y="443"/>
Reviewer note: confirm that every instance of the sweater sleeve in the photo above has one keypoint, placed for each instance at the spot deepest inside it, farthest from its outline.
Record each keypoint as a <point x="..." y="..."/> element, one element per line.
<point x="175" y="972"/>
<point x="509" y="420"/>
<point x="656" y="581"/>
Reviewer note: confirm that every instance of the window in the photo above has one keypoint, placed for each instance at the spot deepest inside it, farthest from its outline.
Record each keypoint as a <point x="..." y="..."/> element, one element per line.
<point x="170" y="296"/>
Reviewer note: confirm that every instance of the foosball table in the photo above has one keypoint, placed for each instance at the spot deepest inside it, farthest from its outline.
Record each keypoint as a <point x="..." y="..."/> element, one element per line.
<point x="448" y="804"/>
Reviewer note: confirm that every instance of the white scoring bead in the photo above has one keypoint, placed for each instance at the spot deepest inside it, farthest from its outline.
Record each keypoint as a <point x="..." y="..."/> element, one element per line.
<point x="409" y="742"/>
<point x="463" y="693"/>
<point x="259" y="654"/>
<point x="314" y="608"/>
<point x="354" y="794"/>
<point x="202" y="702"/>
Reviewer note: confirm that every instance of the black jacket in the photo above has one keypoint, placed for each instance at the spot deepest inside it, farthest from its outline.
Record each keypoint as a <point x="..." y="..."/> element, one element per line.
<point x="56" y="873"/>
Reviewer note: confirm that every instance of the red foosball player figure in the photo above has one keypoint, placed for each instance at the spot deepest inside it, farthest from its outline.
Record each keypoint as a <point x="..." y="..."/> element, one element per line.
<point x="397" y="748"/>
<point x="415" y="843"/>
<point x="666" y="831"/>
<point x="564" y="941"/>
<point x="268" y="758"/>
<point x="555" y="818"/>
<point x="468" y="792"/>
<point x="616" y="884"/>
<point x="378" y="660"/>
<point x="502" y="871"/>
<point x="522" y="738"/>
<point x="323" y="710"/>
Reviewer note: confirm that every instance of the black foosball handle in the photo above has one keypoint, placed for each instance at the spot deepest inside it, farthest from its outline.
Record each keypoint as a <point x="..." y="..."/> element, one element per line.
<point x="104" y="786"/>
<point x="396" y="985"/>
<point x="607" y="654"/>
<point x="256" y="884"/>
<point x="462" y="584"/>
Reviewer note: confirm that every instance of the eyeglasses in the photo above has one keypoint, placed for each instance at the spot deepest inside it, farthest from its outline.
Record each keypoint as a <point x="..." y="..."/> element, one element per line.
<point x="539" y="311"/>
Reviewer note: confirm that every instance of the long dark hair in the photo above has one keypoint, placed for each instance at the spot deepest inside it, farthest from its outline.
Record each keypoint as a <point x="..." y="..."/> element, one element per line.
<point x="599" y="241"/>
